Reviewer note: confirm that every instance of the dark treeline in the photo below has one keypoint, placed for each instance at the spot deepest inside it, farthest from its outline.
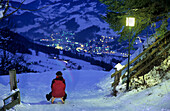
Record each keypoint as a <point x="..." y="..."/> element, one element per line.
<point x="90" y="59"/>
<point x="15" y="43"/>
<point x="20" y="44"/>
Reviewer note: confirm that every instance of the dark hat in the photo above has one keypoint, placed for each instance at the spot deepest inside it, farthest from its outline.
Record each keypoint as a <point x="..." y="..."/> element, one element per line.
<point x="59" y="73"/>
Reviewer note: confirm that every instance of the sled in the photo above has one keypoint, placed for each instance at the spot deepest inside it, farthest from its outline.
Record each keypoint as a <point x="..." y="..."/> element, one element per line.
<point x="53" y="98"/>
<point x="48" y="97"/>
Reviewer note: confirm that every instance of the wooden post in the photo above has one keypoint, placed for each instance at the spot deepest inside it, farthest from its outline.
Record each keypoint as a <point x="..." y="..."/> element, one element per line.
<point x="116" y="82"/>
<point x="19" y="101"/>
<point x="13" y="81"/>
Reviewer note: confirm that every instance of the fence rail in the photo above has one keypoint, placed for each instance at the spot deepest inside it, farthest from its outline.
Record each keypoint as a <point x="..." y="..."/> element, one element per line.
<point x="14" y="100"/>
<point x="153" y="53"/>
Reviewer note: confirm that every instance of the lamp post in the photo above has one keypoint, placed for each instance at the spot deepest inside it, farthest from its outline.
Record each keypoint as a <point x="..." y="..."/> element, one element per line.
<point x="130" y="22"/>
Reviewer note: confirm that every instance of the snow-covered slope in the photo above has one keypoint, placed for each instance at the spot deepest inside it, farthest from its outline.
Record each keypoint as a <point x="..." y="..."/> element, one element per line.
<point x="88" y="90"/>
<point x="43" y="62"/>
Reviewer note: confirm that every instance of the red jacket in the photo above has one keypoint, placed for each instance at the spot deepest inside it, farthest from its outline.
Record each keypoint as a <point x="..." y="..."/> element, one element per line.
<point x="58" y="87"/>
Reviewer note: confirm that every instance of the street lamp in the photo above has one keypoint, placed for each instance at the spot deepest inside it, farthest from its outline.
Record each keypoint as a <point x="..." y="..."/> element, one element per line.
<point x="130" y="22"/>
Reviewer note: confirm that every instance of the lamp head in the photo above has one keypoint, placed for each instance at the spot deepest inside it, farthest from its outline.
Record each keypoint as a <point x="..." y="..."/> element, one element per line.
<point x="130" y="21"/>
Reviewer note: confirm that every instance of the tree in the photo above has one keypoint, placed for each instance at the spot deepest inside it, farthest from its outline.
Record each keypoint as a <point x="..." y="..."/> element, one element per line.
<point x="4" y="38"/>
<point x="6" y="59"/>
<point x="147" y="13"/>
<point x="7" y="8"/>
<point x="4" y="34"/>
<point x="4" y="7"/>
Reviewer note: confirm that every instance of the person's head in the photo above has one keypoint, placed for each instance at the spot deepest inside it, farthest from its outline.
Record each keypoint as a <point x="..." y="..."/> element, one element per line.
<point x="59" y="73"/>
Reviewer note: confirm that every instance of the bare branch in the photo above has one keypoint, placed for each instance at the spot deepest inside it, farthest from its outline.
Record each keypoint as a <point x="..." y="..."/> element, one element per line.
<point x="11" y="12"/>
<point x="6" y="8"/>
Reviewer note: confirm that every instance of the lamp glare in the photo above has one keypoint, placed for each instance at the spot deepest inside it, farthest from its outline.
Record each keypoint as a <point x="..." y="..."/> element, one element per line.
<point x="130" y="21"/>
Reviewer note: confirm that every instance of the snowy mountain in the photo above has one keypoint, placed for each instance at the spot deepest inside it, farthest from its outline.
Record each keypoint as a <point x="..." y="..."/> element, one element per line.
<point x="81" y="17"/>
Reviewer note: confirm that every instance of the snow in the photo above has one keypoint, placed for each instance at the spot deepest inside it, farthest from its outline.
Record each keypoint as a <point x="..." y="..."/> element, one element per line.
<point x="62" y="9"/>
<point x="14" y="91"/>
<point x="42" y="63"/>
<point x="88" y="89"/>
<point x="149" y="42"/>
<point x="58" y="15"/>
<point x="25" y="2"/>
<point x="54" y="0"/>
<point x="75" y="8"/>
<point x="27" y="28"/>
<point x="119" y="66"/>
<point x="1" y="13"/>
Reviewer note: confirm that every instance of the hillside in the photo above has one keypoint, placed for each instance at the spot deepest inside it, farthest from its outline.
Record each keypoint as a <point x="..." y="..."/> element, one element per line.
<point x="88" y="90"/>
<point x="20" y="44"/>
<point x="63" y="15"/>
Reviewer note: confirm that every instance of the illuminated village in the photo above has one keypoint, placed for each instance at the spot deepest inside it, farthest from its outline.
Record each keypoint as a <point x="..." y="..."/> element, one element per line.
<point x="98" y="46"/>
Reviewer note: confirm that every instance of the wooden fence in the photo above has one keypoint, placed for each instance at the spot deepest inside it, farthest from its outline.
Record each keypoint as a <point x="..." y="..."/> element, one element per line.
<point x="149" y="56"/>
<point x="11" y="101"/>
<point x="14" y="98"/>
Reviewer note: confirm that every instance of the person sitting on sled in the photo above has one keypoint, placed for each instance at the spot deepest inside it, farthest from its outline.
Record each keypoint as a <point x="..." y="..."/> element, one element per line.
<point x="58" y="86"/>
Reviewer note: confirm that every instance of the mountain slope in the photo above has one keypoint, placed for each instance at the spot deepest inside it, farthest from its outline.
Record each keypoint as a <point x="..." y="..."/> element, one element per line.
<point x="21" y="44"/>
<point x="71" y="15"/>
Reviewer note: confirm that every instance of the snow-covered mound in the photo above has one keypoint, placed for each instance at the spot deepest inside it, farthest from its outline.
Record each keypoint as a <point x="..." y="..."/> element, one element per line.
<point x="156" y="76"/>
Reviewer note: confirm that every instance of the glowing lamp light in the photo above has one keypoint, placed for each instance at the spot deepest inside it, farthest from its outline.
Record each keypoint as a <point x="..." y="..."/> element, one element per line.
<point x="130" y="21"/>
